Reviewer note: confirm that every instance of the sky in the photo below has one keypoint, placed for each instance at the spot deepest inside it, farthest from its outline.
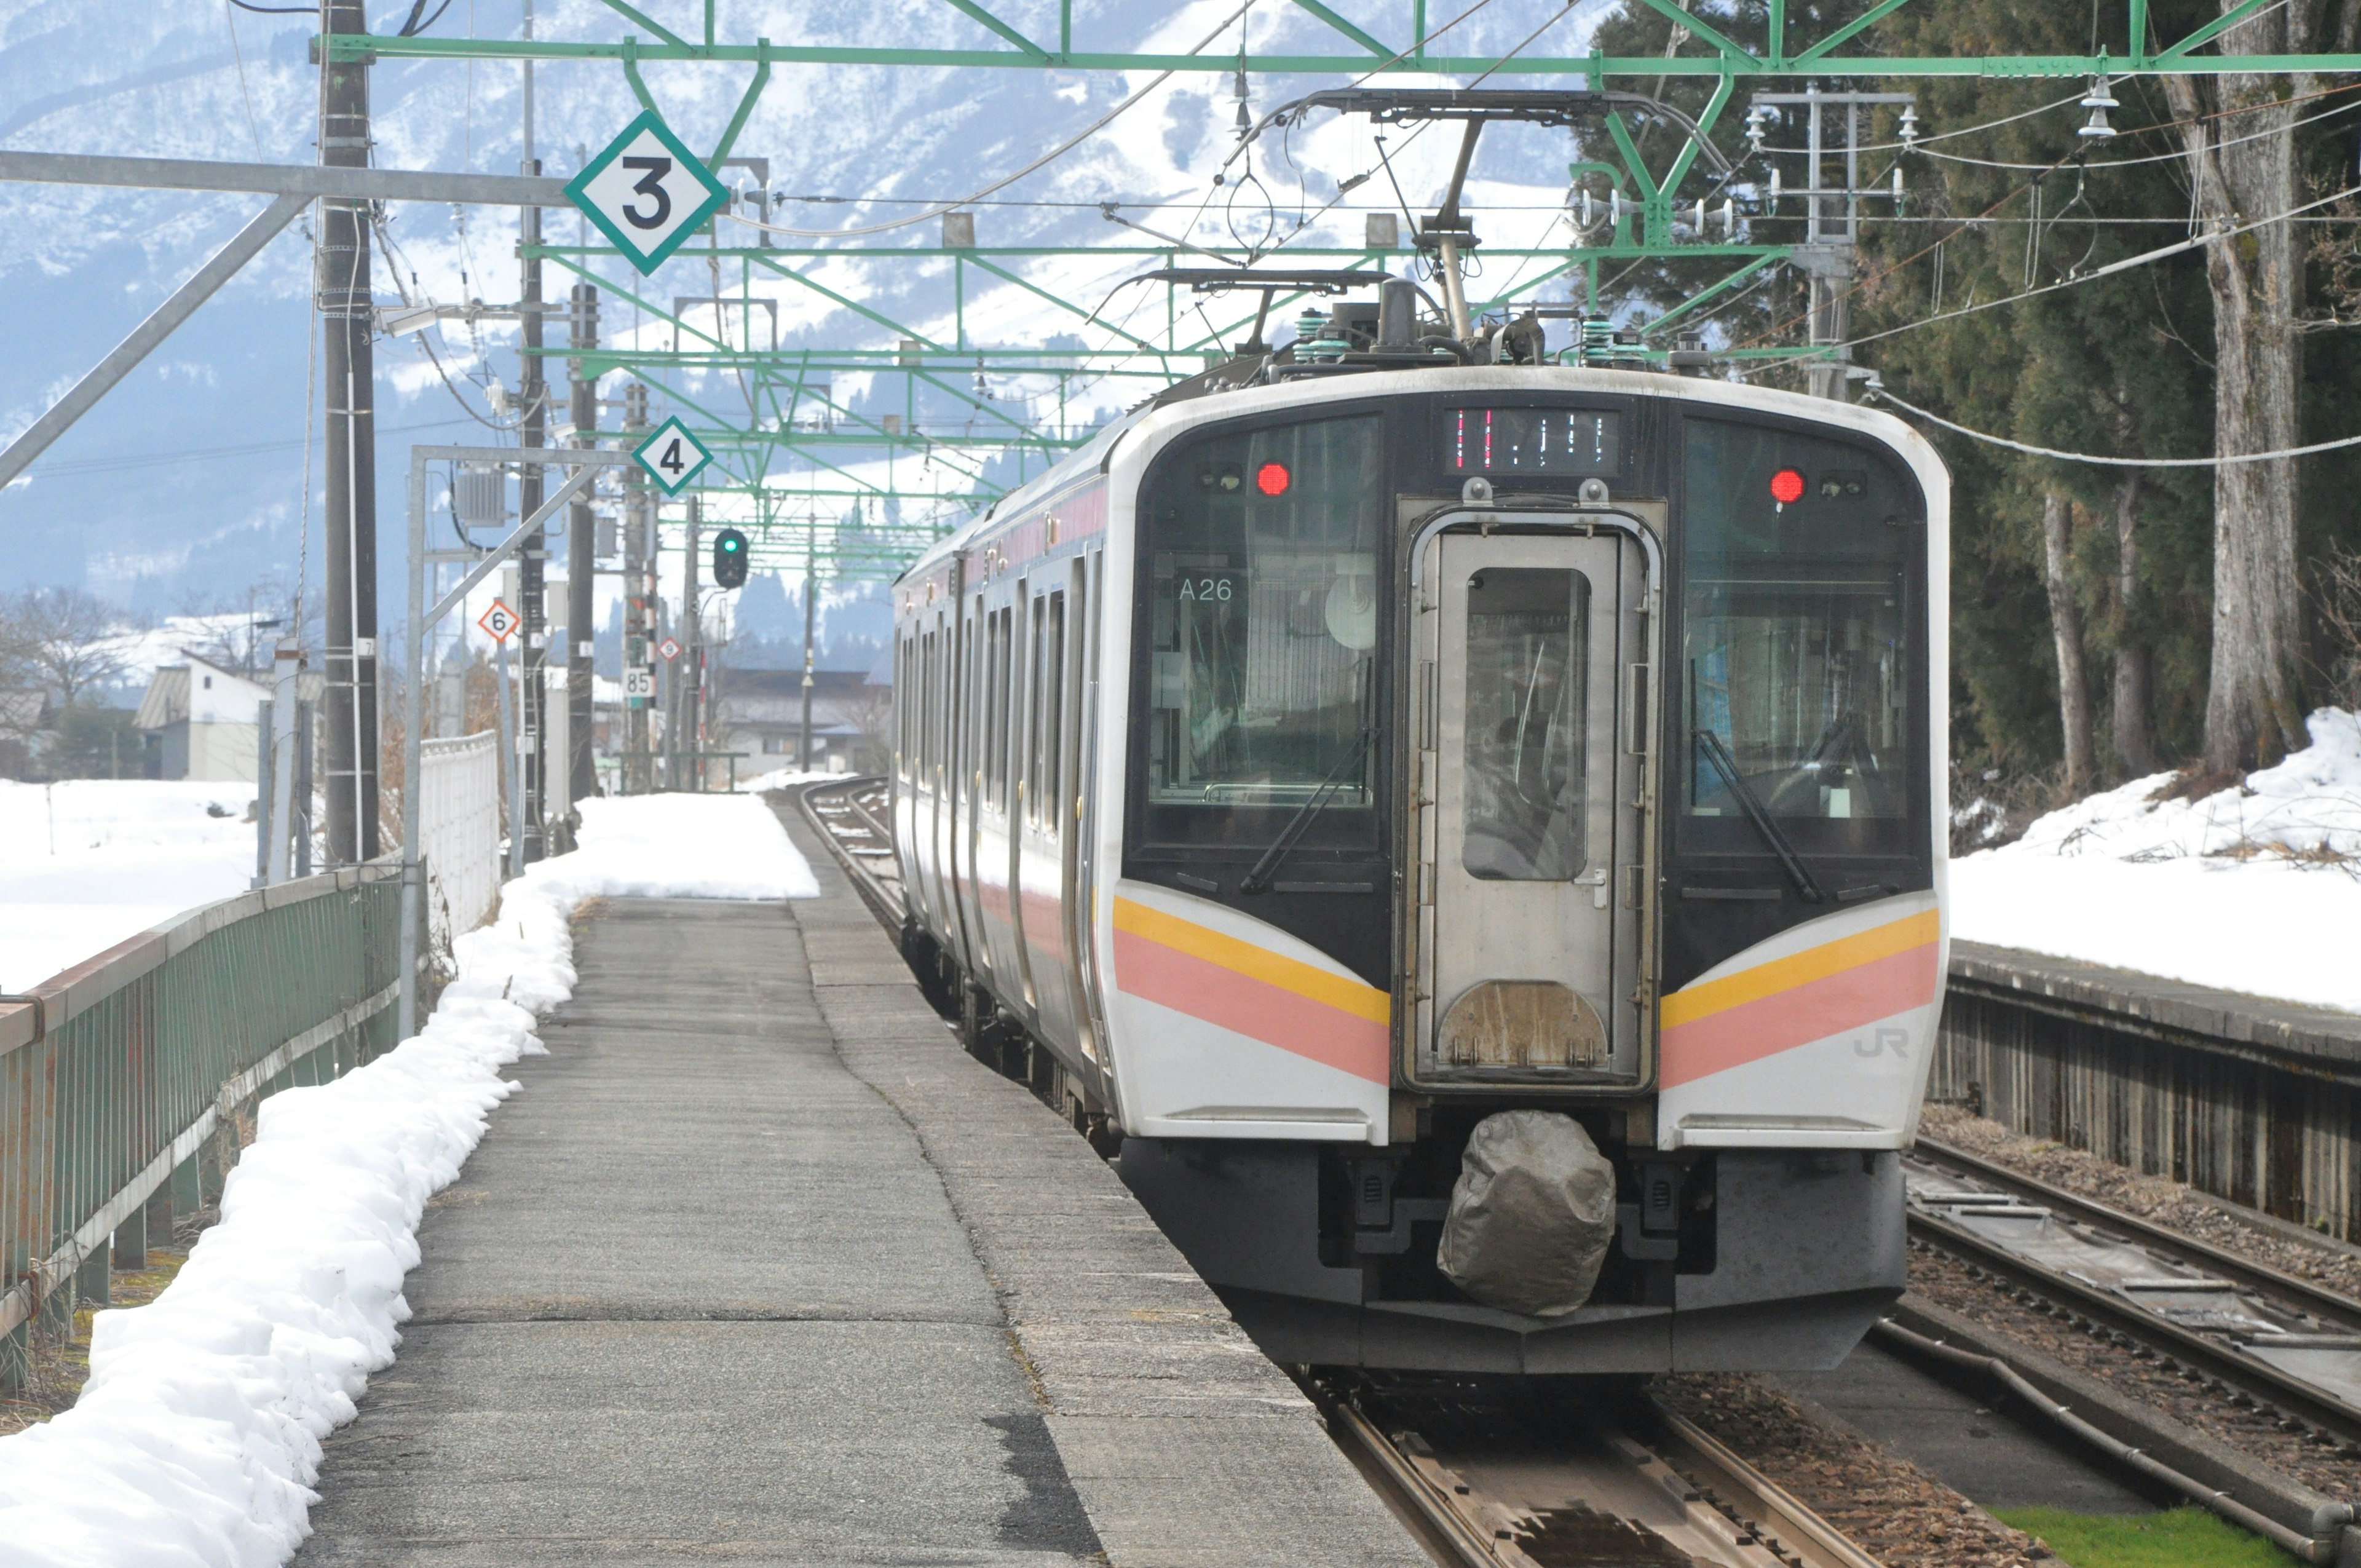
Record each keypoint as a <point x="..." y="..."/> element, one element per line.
<point x="201" y="474"/>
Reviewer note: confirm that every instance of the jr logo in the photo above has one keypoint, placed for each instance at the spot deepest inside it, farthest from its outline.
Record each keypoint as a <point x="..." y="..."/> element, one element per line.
<point x="1879" y="1042"/>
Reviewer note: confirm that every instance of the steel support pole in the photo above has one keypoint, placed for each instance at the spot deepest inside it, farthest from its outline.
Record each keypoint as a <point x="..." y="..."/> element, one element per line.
<point x="413" y="733"/>
<point x="532" y="560"/>
<point x="685" y="743"/>
<point x="581" y="564"/>
<point x="350" y="556"/>
<point x="242" y="249"/>
<point x="638" y="518"/>
<point x="811" y="603"/>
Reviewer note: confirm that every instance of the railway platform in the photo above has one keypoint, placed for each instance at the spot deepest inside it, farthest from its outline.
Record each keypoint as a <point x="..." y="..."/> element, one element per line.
<point x="761" y="1267"/>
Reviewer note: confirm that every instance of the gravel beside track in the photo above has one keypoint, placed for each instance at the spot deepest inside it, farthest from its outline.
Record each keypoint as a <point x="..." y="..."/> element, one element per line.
<point x="1891" y="1508"/>
<point x="2157" y="1199"/>
<point x="2227" y="1416"/>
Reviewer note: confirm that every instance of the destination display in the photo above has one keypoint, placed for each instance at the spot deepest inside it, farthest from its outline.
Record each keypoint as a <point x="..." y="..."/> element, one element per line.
<point x="1575" y="442"/>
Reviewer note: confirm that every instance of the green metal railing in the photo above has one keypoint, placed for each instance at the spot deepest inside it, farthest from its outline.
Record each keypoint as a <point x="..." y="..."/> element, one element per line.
<point x="120" y="1074"/>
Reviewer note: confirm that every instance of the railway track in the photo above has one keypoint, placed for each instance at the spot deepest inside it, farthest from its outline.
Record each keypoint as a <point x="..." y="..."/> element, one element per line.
<point x="1493" y="1476"/>
<point x="2281" y="1342"/>
<point x="853" y="817"/>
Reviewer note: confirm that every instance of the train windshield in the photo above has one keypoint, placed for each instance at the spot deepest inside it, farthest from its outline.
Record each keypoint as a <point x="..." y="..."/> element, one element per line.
<point x="1798" y="679"/>
<point x="1262" y="626"/>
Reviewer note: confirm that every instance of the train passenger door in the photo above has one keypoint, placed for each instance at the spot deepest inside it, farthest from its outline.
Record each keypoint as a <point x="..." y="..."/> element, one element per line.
<point x="1526" y="644"/>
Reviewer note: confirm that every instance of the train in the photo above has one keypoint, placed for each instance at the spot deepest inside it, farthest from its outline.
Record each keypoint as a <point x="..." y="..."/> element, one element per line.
<point x="1369" y="775"/>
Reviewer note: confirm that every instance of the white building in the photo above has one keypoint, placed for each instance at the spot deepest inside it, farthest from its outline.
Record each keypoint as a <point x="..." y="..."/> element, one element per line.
<point x="208" y="715"/>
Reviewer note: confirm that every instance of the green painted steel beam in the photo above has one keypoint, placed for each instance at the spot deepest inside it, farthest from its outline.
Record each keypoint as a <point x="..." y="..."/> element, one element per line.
<point x="362" y="47"/>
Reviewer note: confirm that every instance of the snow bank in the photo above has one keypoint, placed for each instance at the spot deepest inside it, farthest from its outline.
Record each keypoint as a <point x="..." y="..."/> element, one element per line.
<point x="90" y="862"/>
<point x="2238" y="890"/>
<point x="198" y="1436"/>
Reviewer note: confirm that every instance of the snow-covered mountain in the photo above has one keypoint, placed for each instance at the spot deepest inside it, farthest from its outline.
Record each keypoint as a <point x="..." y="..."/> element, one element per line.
<point x="186" y="484"/>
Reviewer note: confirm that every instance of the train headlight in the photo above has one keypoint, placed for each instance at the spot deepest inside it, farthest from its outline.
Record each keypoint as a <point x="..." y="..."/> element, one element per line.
<point x="1786" y="486"/>
<point x="1272" y="478"/>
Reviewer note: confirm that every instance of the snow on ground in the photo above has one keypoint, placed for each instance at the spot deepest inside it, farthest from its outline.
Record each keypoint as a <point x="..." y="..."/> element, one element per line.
<point x="87" y="864"/>
<point x="2255" y="889"/>
<point x="198" y="1436"/>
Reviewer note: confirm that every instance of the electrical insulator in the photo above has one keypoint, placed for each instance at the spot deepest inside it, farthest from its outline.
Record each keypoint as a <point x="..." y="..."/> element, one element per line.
<point x="1772" y="204"/>
<point x="2098" y="102"/>
<point x="1757" y="119"/>
<point x="1910" y="128"/>
<point x="729" y="559"/>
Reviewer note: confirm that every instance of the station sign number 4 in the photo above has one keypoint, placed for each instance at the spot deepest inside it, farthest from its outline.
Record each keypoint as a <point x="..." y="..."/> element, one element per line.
<point x="672" y="457"/>
<point x="647" y="192"/>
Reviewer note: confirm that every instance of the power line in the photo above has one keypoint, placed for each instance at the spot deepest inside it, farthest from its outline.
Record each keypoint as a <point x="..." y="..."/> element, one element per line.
<point x="1050" y="157"/>
<point x="1877" y="389"/>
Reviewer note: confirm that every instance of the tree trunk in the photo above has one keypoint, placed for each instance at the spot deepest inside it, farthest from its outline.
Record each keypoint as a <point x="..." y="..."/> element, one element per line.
<point x="2135" y="730"/>
<point x="2242" y="165"/>
<point x="2066" y="623"/>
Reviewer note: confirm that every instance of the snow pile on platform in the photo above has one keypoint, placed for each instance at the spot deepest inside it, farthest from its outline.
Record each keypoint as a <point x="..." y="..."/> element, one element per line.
<point x="90" y="862"/>
<point x="2255" y="888"/>
<point x="198" y="1436"/>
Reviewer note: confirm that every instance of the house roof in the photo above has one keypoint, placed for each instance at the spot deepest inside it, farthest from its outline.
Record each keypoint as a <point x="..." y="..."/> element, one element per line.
<point x="23" y="710"/>
<point x="771" y="697"/>
<point x="166" y="701"/>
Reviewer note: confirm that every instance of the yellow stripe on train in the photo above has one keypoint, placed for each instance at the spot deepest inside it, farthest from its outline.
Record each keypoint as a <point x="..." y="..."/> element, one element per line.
<point x="1695" y="1002"/>
<point x="1257" y="963"/>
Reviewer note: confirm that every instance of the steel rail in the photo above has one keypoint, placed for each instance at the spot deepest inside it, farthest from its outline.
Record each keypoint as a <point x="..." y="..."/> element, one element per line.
<point x="1910" y="1344"/>
<point x="1466" y="1524"/>
<point x="2318" y="1300"/>
<point x="2258" y="1379"/>
<point x="885" y="899"/>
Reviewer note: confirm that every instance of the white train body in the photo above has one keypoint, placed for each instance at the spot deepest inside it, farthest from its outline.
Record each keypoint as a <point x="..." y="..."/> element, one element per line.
<point x="1301" y="773"/>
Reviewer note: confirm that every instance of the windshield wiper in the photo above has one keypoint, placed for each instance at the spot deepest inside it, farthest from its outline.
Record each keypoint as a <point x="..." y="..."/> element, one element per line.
<point x="1258" y="879"/>
<point x="1781" y="845"/>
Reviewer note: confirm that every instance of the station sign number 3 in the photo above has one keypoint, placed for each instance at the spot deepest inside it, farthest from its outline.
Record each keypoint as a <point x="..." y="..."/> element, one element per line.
<point x="647" y="192"/>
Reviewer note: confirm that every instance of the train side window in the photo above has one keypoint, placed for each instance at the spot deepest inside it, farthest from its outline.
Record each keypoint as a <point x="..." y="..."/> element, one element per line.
<point x="1048" y="730"/>
<point x="927" y="707"/>
<point x="996" y="695"/>
<point x="1801" y="669"/>
<point x="1033" y="714"/>
<point x="1257" y="633"/>
<point x="1528" y="639"/>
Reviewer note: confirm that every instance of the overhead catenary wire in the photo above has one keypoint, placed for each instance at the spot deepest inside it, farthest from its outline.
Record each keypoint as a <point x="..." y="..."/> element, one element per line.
<point x="1877" y="389"/>
<point x="1047" y="158"/>
<point x="2196" y="242"/>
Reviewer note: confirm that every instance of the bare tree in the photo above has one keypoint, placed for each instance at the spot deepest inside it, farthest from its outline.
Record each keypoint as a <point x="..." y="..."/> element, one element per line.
<point x="2240" y="135"/>
<point x="247" y="624"/>
<point x="2066" y="628"/>
<point x="68" y="640"/>
<point x="871" y="711"/>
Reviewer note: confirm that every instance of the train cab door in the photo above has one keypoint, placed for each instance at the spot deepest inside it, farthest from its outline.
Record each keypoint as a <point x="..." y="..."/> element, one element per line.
<point x="1529" y="645"/>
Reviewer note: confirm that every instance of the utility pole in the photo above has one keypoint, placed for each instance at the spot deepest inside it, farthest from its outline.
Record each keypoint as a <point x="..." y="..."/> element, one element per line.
<point x="685" y="711"/>
<point x="812" y="602"/>
<point x="581" y="560"/>
<point x="637" y="511"/>
<point x="532" y="561"/>
<point x="341" y="274"/>
<point x="1831" y="219"/>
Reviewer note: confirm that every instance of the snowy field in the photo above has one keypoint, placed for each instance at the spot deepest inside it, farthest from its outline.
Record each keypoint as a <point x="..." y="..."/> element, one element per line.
<point x="198" y="1436"/>
<point x="2256" y="890"/>
<point x="87" y="864"/>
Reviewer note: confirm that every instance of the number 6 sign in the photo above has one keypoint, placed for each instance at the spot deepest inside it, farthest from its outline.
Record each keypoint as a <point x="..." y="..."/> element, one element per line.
<point x="647" y="192"/>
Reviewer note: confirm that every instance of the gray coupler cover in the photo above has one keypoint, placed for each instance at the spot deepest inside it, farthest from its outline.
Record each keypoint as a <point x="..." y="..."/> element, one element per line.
<point x="1530" y="1215"/>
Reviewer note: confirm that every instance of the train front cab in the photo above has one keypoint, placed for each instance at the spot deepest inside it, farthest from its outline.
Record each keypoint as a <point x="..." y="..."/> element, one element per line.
<point x="1628" y="810"/>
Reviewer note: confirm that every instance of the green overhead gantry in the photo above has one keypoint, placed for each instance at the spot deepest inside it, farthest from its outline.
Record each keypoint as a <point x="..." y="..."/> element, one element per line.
<point x="793" y="415"/>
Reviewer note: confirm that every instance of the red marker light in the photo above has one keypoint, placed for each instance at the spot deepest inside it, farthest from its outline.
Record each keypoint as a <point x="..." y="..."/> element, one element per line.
<point x="1272" y="478"/>
<point x="1786" y="486"/>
